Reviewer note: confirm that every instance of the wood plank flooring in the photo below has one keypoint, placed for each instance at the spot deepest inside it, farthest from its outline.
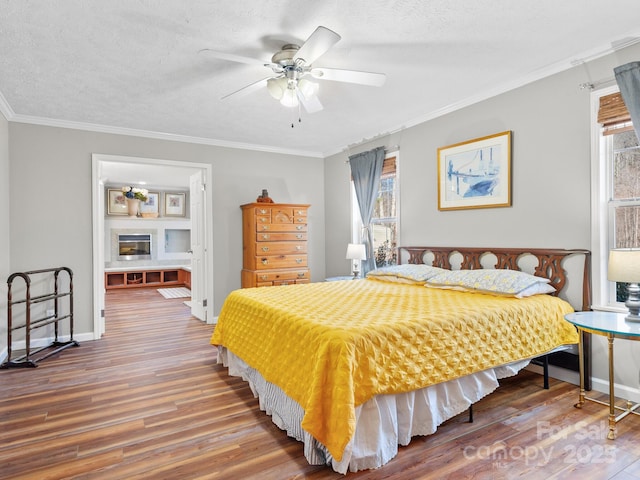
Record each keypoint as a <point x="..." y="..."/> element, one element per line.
<point x="148" y="401"/>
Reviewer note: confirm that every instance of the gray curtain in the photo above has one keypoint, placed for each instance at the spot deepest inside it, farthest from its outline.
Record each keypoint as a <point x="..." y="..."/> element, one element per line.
<point x="366" y="169"/>
<point x="628" y="79"/>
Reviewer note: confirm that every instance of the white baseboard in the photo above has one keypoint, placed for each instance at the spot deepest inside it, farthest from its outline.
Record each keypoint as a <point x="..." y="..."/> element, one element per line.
<point x="43" y="342"/>
<point x="213" y="321"/>
<point x="597" y="384"/>
<point x="621" y="391"/>
<point x="558" y="373"/>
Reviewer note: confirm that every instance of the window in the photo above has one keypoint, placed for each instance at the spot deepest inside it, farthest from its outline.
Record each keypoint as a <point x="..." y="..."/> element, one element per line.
<point x="616" y="186"/>
<point x="384" y="221"/>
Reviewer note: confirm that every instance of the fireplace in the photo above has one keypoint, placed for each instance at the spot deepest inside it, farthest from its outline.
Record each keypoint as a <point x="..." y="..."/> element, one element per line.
<point x="134" y="246"/>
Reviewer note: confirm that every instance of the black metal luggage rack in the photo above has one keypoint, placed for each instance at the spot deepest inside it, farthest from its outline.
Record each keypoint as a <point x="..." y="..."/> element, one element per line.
<point x="31" y="358"/>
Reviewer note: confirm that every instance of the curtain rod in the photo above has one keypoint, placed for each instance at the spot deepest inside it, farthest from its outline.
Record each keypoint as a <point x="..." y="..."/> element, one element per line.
<point x="598" y="83"/>
<point x="392" y="148"/>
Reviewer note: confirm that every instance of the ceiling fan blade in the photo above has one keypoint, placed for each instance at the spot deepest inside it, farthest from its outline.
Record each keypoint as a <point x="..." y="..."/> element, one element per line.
<point x="350" y="76"/>
<point x="312" y="104"/>
<point x="321" y="40"/>
<point x="234" y="58"/>
<point x="248" y="89"/>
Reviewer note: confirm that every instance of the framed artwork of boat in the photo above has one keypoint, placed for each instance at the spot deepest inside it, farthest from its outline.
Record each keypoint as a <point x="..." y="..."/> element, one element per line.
<point x="475" y="173"/>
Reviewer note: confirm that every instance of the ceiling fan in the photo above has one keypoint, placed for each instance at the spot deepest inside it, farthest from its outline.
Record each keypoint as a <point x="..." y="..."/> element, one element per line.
<point x="292" y="67"/>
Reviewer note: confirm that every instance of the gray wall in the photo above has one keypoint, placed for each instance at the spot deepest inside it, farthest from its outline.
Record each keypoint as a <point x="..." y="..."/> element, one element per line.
<point x="551" y="185"/>
<point x="52" y="223"/>
<point x="5" y="266"/>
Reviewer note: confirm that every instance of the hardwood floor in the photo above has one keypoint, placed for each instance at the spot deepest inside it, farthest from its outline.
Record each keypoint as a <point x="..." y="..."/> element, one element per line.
<point x="148" y="401"/>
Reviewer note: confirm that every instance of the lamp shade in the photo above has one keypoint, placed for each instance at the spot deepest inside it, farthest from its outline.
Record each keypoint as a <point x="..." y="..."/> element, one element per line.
<point x="624" y="265"/>
<point x="356" y="251"/>
<point x="290" y="97"/>
<point x="276" y="87"/>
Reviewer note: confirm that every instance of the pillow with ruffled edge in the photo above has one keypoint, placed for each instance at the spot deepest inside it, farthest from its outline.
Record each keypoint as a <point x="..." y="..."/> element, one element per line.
<point x="406" y="273"/>
<point x="498" y="282"/>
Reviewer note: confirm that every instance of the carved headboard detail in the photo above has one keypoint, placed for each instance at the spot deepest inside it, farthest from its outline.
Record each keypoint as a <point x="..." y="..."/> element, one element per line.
<point x="549" y="262"/>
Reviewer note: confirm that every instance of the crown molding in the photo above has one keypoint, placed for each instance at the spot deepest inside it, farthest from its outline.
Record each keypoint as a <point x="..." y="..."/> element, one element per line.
<point x="6" y="109"/>
<point x="91" y="127"/>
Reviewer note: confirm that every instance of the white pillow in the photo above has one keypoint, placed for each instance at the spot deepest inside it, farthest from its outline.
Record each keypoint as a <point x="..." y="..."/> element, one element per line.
<point x="498" y="282"/>
<point x="406" y="273"/>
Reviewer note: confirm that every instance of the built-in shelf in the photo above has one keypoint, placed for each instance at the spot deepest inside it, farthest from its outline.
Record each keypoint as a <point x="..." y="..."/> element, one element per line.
<point x="147" y="278"/>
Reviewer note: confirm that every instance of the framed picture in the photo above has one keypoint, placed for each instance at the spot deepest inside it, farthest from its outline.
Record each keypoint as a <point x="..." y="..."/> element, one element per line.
<point x="116" y="204"/>
<point x="150" y="207"/>
<point x="174" y="204"/>
<point x="476" y="173"/>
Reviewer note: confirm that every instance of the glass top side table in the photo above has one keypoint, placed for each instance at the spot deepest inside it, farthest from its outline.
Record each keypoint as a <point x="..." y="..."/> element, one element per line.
<point x="610" y="325"/>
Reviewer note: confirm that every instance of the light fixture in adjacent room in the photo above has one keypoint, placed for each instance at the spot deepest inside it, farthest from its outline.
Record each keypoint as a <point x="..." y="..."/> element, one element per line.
<point x="624" y="266"/>
<point x="356" y="252"/>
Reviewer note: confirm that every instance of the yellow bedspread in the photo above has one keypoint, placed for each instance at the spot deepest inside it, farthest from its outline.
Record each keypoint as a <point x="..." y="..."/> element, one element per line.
<point x="334" y="345"/>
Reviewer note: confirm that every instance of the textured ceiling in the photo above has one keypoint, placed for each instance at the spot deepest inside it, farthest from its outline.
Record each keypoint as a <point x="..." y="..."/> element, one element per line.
<point x="124" y="65"/>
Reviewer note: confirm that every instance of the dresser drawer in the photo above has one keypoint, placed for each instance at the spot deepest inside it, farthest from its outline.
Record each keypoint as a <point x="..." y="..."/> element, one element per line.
<point x="282" y="215"/>
<point x="299" y="212"/>
<point x="269" y="262"/>
<point x="263" y="211"/>
<point x="280" y="227"/>
<point x="280" y="237"/>
<point x="279" y="248"/>
<point x="300" y="276"/>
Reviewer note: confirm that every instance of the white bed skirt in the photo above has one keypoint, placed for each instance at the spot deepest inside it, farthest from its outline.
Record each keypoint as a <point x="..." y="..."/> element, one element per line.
<point x="382" y="423"/>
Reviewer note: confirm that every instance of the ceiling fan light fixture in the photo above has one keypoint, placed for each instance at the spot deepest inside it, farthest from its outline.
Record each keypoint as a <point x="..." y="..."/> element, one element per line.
<point x="307" y="88"/>
<point x="276" y="87"/>
<point x="289" y="98"/>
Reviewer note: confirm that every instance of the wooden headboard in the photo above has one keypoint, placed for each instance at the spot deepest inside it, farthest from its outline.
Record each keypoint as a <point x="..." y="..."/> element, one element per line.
<point x="549" y="262"/>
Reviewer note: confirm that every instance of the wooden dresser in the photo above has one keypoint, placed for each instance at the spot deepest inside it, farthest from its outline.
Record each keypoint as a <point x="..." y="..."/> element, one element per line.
<point x="274" y="244"/>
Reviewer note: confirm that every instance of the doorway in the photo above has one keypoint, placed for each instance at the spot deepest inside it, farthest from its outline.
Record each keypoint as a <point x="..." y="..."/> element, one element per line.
<point x="113" y="169"/>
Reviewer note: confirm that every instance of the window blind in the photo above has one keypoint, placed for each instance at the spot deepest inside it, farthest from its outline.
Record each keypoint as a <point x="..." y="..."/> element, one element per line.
<point x="389" y="166"/>
<point x="613" y="114"/>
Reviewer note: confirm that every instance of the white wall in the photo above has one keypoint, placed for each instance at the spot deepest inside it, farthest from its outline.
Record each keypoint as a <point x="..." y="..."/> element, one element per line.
<point x="51" y="224"/>
<point x="550" y="120"/>
<point x="5" y="264"/>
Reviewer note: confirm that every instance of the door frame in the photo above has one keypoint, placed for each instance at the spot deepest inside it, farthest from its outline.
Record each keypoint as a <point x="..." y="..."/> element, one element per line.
<point x="98" y="218"/>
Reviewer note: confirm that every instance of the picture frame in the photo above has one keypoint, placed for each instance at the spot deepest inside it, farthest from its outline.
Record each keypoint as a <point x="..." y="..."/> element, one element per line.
<point x="174" y="204"/>
<point x="151" y="206"/>
<point x="116" y="203"/>
<point x="475" y="173"/>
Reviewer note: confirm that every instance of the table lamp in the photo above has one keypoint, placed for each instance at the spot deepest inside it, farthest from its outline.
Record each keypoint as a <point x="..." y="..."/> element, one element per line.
<point x="356" y="253"/>
<point x="624" y="266"/>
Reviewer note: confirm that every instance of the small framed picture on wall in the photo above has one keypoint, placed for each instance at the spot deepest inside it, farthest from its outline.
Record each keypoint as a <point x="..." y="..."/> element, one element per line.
<point x="174" y="204"/>
<point x="116" y="203"/>
<point x="151" y="206"/>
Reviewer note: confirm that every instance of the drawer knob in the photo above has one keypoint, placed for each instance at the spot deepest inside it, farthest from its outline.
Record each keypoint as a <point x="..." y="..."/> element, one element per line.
<point x="265" y="261"/>
<point x="263" y="277"/>
<point x="265" y="236"/>
<point x="263" y="220"/>
<point x="299" y="236"/>
<point x="301" y="275"/>
<point x="300" y="212"/>
<point x="265" y="249"/>
<point x="298" y="247"/>
<point x="265" y="227"/>
<point x="299" y="227"/>
<point x="263" y="211"/>
<point x="298" y="260"/>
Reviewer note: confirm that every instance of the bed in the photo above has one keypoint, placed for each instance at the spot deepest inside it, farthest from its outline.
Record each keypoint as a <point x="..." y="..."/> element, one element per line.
<point x="355" y="368"/>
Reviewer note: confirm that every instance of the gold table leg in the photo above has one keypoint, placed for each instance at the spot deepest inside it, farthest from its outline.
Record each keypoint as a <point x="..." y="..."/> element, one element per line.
<point x="612" y="399"/>
<point x="581" y="361"/>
